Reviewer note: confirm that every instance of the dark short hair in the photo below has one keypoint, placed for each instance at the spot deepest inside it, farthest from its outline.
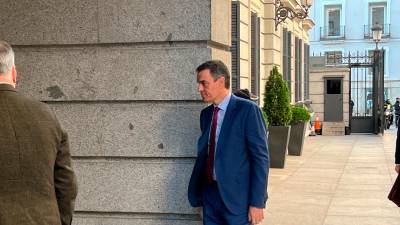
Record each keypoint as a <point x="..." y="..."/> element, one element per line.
<point x="246" y="94"/>
<point x="217" y="69"/>
<point x="243" y="93"/>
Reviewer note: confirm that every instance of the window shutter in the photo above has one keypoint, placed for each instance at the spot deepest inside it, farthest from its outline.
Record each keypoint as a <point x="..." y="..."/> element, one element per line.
<point x="306" y="71"/>
<point x="255" y="54"/>
<point x="296" y="65"/>
<point x="289" y="62"/>
<point x="285" y="54"/>
<point x="235" y="49"/>
<point x="287" y="57"/>
<point x="300" y="80"/>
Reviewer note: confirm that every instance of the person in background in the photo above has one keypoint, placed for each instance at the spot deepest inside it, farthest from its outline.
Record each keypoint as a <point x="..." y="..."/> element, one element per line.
<point x="388" y="107"/>
<point x="397" y="111"/>
<point x="37" y="183"/>
<point x="351" y="106"/>
<point x="245" y="93"/>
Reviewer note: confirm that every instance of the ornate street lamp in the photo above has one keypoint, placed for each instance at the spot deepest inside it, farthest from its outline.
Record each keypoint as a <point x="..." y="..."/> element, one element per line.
<point x="284" y="12"/>
<point x="376" y="34"/>
<point x="378" y="78"/>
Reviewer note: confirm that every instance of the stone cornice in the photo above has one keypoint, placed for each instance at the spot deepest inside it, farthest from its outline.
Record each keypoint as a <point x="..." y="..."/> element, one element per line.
<point x="308" y="24"/>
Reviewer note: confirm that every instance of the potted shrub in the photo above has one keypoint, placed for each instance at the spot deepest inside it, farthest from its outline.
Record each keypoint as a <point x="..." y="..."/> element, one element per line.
<point x="300" y="117"/>
<point x="278" y="113"/>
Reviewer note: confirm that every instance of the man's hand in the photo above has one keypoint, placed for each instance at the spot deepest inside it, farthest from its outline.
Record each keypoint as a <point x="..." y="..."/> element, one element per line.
<point x="256" y="215"/>
<point x="397" y="168"/>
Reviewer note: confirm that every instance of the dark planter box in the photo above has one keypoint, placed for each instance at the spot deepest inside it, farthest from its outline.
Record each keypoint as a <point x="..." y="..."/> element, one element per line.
<point x="296" y="140"/>
<point x="278" y="139"/>
<point x="347" y="130"/>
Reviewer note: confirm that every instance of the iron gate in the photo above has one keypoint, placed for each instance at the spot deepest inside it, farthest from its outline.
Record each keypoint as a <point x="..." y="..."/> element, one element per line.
<point x="366" y="91"/>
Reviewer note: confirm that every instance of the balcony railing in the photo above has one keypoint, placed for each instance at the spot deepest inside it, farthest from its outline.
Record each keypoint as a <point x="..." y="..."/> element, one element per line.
<point x="368" y="32"/>
<point x="332" y="33"/>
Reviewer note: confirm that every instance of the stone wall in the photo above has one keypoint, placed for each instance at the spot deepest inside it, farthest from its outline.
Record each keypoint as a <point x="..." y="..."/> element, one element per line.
<point x="120" y="77"/>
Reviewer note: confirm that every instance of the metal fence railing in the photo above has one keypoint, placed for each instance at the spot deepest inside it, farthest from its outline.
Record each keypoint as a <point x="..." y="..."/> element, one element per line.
<point x="338" y="58"/>
<point x="368" y="31"/>
<point x="332" y="32"/>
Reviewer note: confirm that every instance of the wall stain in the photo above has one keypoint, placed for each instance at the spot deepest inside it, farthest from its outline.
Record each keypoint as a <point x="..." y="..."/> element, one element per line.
<point x="131" y="126"/>
<point x="138" y="24"/>
<point x="135" y="90"/>
<point x="169" y="38"/>
<point x="55" y="92"/>
<point x="161" y="146"/>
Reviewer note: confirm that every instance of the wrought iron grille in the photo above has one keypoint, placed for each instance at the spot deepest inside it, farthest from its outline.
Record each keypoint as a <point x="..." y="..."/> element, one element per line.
<point x="368" y="31"/>
<point x="330" y="32"/>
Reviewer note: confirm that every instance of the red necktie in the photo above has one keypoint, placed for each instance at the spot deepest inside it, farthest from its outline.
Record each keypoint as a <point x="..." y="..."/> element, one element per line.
<point x="211" y="147"/>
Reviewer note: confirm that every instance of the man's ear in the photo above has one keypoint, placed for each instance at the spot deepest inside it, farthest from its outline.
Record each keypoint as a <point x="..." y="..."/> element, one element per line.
<point x="222" y="81"/>
<point x="14" y="74"/>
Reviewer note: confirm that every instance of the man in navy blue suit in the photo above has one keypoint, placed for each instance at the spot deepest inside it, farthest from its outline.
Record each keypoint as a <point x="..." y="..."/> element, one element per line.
<point x="230" y="176"/>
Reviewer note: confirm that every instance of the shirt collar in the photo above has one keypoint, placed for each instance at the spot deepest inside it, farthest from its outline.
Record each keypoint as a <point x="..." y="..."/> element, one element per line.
<point x="224" y="104"/>
<point x="6" y="87"/>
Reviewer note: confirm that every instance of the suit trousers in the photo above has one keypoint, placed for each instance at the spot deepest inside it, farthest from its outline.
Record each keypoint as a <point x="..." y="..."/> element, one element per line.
<point x="215" y="211"/>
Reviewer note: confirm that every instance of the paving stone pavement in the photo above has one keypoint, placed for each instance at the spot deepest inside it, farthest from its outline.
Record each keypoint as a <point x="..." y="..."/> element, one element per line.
<point x="339" y="180"/>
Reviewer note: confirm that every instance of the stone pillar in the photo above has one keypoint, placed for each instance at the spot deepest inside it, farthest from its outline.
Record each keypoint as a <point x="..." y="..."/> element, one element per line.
<point x="120" y="76"/>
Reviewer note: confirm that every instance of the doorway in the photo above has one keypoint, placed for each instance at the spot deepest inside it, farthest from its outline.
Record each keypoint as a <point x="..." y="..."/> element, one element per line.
<point x="333" y="99"/>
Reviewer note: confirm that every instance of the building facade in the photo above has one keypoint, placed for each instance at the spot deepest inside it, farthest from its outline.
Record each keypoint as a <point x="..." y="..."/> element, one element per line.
<point x="257" y="46"/>
<point x="344" y="27"/>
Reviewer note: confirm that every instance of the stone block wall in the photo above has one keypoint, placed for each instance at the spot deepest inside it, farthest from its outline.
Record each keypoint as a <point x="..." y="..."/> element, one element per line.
<point x="120" y="77"/>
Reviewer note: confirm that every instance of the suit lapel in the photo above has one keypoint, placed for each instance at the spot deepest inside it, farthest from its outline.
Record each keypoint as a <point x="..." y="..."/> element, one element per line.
<point x="226" y="123"/>
<point x="203" y="141"/>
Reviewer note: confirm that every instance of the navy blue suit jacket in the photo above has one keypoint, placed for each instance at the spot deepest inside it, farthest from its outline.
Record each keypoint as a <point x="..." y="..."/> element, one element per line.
<point x="241" y="160"/>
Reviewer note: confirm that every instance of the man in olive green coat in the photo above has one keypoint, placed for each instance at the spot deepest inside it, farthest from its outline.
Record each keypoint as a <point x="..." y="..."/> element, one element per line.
<point x="37" y="184"/>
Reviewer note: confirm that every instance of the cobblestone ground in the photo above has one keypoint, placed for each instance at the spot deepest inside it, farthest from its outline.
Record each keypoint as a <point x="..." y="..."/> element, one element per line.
<point x="337" y="181"/>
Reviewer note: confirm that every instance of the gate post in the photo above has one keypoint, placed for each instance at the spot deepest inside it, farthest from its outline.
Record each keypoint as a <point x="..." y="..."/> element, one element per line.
<point x="381" y="94"/>
<point x="378" y="92"/>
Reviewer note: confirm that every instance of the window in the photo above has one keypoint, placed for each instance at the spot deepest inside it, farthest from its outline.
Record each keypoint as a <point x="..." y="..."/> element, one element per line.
<point x="377" y="13"/>
<point x="333" y="57"/>
<point x="334" y="86"/>
<point x="332" y="18"/>
<point x="333" y="28"/>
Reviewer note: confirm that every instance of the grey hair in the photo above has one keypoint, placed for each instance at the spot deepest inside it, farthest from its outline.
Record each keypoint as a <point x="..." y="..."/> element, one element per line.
<point x="6" y="57"/>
